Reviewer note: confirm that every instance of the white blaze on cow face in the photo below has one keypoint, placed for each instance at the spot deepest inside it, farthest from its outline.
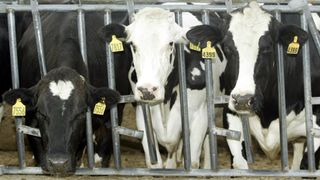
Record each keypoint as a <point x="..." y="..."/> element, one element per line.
<point x="62" y="89"/>
<point x="152" y="36"/>
<point x="246" y="29"/>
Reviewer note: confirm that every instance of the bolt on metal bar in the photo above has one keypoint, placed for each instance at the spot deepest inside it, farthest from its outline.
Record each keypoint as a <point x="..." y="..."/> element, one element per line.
<point x="149" y="133"/>
<point x="83" y="48"/>
<point x="282" y="104"/>
<point x="15" y="83"/>
<point x="247" y="138"/>
<point x="210" y="106"/>
<point x="38" y="34"/>
<point x="183" y="99"/>
<point x="113" y="110"/>
<point x="307" y="96"/>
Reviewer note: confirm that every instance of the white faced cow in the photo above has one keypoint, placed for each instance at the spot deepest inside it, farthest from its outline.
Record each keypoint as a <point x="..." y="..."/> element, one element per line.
<point x="248" y="38"/>
<point x="154" y="79"/>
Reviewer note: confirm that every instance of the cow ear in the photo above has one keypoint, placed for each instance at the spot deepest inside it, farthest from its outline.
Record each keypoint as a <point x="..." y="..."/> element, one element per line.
<point x="97" y="94"/>
<point x="107" y="31"/>
<point x="288" y="32"/>
<point x="203" y="33"/>
<point x="27" y="97"/>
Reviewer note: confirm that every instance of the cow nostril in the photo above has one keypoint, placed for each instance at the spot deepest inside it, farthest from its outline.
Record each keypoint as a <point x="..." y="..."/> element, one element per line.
<point x="140" y="89"/>
<point x="154" y="88"/>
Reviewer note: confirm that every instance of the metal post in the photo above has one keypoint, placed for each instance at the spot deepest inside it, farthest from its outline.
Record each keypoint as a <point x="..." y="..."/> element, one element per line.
<point x="210" y="106"/>
<point x="38" y="34"/>
<point x="247" y="138"/>
<point x="307" y="97"/>
<point x="282" y="104"/>
<point x="149" y="133"/>
<point x="15" y="83"/>
<point x="183" y="100"/>
<point x="130" y="7"/>
<point x="83" y="48"/>
<point x="114" y="110"/>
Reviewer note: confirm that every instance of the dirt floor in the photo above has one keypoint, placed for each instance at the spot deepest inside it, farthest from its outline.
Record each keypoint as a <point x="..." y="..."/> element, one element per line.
<point x="131" y="152"/>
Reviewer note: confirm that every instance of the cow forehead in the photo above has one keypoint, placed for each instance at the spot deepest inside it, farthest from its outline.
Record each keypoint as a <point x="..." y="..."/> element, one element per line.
<point x="61" y="88"/>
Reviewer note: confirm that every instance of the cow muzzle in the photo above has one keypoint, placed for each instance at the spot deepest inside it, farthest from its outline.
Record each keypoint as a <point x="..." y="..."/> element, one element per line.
<point x="148" y="93"/>
<point x="242" y="103"/>
<point x="59" y="164"/>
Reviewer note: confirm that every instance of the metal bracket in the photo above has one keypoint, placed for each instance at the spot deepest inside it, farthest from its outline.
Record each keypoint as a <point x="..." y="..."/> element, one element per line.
<point x="129" y="132"/>
<point x="230" y="134"/>
<point x="29" y="131"/>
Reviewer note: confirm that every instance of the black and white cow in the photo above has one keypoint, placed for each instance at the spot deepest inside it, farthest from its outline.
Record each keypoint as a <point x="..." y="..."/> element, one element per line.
<point x="154" y="79"/>
<point x="248" y="38"/>
<point x="57" y="103"/>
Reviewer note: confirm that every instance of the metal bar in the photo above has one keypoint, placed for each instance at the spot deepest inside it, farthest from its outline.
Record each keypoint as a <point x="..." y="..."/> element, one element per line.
<point x="315" y="100"/>
<point x="29" y="130"/>
<point x="210" y="106"/>
<point x="312" y="28"/>
<point x="315" y="132"/>
<point x="129" y="132"/>
<point x="15" y="83"/>
<point x="83" y="48"/>
<point x="171" y="172"/>
<point x="230" y="134"/>
<point x="130" y="7"/>
<point x="113" y="110"/>
<point x="307" y="97"/>
<point x="183" y="100"/>
<point x="282" y="104"/>
<point x="247" y="138"/>
<point x="102" y="7"/>
<point x="229" y="5"/>
<point x="149" y="133"/>
<point x="38" y="34"/>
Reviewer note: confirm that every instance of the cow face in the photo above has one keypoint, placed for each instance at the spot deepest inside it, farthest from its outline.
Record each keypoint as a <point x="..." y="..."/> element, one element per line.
<point x="248" y="39"/>
<point x="58" y="105"/>
<point x="151" y="37"/>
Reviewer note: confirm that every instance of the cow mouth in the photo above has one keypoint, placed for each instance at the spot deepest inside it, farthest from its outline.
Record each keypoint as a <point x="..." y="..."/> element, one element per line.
<point x="150" y="102"/>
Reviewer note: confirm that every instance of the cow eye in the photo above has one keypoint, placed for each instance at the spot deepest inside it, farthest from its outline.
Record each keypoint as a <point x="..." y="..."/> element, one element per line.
<point x="171" y="44"/>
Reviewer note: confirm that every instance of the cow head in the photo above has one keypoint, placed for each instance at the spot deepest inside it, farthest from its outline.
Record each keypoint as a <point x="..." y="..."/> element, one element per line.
<point x="248" y="38"/>
<point x="151" y="37"/>
<point x="58" y="105"/>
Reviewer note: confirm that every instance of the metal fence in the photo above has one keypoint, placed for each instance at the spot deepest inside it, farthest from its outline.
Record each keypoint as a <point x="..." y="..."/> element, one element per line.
<point x="213" y="131"/>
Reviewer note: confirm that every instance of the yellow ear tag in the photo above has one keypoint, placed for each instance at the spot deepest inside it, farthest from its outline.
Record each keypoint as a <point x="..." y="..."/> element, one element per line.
<point x="115" y="44"/>
<point x="18" y="109"/>
<point x="209" y="52"/>
<point x="195" y="47"/>
<point x="100" y="107"/>
<point x="293" y="47"/>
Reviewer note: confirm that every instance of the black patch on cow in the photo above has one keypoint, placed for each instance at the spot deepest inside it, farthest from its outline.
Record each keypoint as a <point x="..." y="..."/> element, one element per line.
<point x="173" y="98"/>
<point x="134" y="75"/>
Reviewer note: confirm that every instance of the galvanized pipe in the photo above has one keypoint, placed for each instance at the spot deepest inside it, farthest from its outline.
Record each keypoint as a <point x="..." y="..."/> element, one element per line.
<point x="15" y="83"/>
<point x="307" y="97"/>
<point x="38" y="34"/>
<point x="130" y="8"/>
<point x="149" y="133"/>
<point x="247" y="138"/>
<point x="183" y="100"/>
<point x="210" y="105"/>
<point x="113" y="110"/>
<point x="282" y="104"/>
<point x="83" y="48"/>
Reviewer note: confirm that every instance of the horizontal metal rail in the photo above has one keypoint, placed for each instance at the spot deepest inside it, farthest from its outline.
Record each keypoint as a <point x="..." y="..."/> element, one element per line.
<point x="170" y="172"/>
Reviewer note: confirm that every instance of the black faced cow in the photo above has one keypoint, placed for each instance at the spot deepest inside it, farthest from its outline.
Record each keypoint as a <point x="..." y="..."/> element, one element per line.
<point x="154" y="79"/>
<point x="248" y="38"/>
<point x="57" y="103"/>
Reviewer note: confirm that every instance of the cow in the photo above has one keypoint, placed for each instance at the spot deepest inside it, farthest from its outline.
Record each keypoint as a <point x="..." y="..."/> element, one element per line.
<point x="57" y="103"/>
<point x="248" y="37"/>
<point x="154" y="80"/>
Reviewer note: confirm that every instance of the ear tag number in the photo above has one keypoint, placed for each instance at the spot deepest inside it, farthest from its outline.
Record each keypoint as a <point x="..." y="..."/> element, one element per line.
<point x="115" y="44"/>
<point x="18" y="109"/>
<point x="100" y="107"/>
<point x="293" y="47"/>
<point x="209" y="52"/>
<point x="195" y="47"/>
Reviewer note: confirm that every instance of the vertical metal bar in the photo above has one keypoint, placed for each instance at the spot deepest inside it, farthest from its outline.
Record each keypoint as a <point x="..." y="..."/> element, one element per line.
<point x="210" y="105"/>
<point x="183" y="100"/>
<point x="38" y="35"/>
<point x="130" y="8"/>
<point x="307" y="97"/>
<point x="114" y="110"/>
<point x="149" y="133"/>
<point x="229" y="5"/>
<point x="282" y="104"/>
<point x="247" y="138"/>
<point x="83" y="48"/>
<point x="15" y="83"/>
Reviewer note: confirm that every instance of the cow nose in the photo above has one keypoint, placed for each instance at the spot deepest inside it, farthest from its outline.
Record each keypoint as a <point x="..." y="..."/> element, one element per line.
<point x="147" y="93"/>
<point x="58" y="164"/>
<point x="242" y="102"/>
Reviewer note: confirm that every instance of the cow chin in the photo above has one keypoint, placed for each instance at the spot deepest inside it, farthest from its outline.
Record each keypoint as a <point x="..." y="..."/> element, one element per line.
<point x="242" y="111"/>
